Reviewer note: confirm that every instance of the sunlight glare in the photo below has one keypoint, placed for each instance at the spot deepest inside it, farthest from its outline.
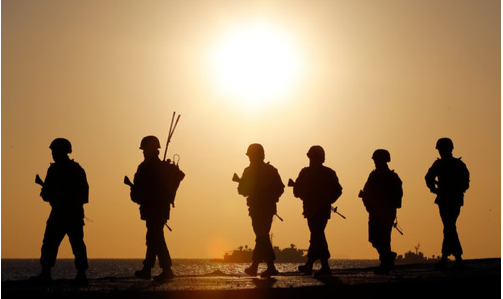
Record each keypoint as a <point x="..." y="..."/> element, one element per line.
<point x="255" y="64"/>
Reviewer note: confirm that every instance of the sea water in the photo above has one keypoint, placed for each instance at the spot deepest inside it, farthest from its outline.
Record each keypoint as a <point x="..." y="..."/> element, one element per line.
<point x="22" y="269"/>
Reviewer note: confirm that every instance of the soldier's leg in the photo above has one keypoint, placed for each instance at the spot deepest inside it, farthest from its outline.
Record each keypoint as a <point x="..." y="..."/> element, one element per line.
<point x="54" y="234"/>
<point x="451" y="243"/>
<point x="163" y="252"/>
<point x="318" y="248"/>
<point x="152" y="242"/>
<point x="76" y="237"/>
<point x="263" y="250"/>
<point x="149" y="261"/>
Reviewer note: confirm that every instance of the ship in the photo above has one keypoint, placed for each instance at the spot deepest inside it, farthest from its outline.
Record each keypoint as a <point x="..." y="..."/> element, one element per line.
<point x="286" y="255"/>
<point x="416" y="257"/>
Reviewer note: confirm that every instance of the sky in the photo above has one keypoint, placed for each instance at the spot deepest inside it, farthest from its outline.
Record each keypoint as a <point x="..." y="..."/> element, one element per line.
<point x="351" y="76"/>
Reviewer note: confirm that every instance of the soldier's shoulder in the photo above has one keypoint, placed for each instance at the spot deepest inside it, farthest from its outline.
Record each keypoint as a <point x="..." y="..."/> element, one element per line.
<point x="394" y="174"/>
<point x="76" y="166"/>
<point x="328" y="169"/>
<point x="269" y="166"/>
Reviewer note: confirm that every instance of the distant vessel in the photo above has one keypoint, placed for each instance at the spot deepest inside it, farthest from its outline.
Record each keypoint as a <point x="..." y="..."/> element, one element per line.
<point x="415" y="257"/>
<point x="285" y="255"/>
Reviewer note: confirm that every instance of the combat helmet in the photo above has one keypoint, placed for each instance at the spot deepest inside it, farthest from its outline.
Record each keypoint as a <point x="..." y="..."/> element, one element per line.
<point x="61" y="144"/>
<point x="316" y="152"/>
<point x="255" y="150"/>
<point x="381" y="155"/>
<point x="444" y="143"/>
<point x="150" y="142"/>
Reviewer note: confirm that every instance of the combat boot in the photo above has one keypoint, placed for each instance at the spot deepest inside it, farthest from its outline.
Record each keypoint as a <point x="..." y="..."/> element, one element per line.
<point x="144" y="273"/>
<point x="81" y="278"/>
<point x="167" y="274"/>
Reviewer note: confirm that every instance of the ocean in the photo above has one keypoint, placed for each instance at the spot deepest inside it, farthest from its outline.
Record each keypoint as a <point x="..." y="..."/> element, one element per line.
<point x="22" y="269"/>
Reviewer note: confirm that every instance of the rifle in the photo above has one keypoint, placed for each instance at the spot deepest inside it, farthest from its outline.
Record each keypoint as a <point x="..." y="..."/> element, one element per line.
<point x="335" y="211"/>
<point x="128" y="182"/>
<point x="39" y="181"/>
<point x="237" y="179"/>
<point x="291" y="183"/>
<point x="397" y="227"/>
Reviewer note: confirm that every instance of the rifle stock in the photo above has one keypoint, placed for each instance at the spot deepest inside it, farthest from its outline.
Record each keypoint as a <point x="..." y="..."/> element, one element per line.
<point x="127" y="181"/>
<point x="39" y="181"/>
<point x="291" y="183"/>
<point x="235" y="178"/>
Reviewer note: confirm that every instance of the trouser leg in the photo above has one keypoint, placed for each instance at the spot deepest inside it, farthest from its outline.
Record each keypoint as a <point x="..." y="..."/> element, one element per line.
<point x="263" y="251"/>
<point x="76" y="236"/>
<point x="54" y="234"/>
<point x="156" y="246"/>
<point x="450" y="243"/>
<point x="318" y="247"/>
<point x="380" y="226"/>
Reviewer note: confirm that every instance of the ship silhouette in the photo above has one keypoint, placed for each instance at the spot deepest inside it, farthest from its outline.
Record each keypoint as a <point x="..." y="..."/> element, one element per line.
<point x="286" y="255"/>
<point x="416" y="257"/>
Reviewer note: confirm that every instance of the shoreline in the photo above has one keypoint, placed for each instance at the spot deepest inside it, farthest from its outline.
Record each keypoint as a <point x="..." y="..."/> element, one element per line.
<point x="481" y="277"/>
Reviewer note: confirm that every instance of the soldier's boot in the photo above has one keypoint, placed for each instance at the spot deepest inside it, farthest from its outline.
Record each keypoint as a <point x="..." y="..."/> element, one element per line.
<point x="145" y="273"/>
<point x="43" y="278"/>
<point x="442" y="264"/>
<point x="459" y="265"/>
<point x="325" y="269"/>
<point x="81" y="278"/>
<point x="167" y="274"/>
<point x="387" y="262"/>
<point x="307" y="268"/>
<point x="252" y="270"/>
<point x="270" y="271"/>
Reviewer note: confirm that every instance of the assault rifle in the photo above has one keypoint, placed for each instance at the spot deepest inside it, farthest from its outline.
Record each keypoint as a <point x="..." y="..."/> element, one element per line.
<point x="237" y="179"/>
<point x="291" y="183"/>
<point x="128" y="182"/>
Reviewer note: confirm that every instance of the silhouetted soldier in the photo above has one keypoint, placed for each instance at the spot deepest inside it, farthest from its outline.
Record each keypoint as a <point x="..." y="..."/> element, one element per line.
<point x="66" y="190"/>
<point x="318" y="187"/>
<point x="262" y="186"/>
<point x="382" y="195"/>
<point x="449" y="178"/>
<point x="154" y="188"/>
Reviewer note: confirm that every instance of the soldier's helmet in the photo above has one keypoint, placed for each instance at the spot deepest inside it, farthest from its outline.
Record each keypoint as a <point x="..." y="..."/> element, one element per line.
<point x="61" y="144"/>
<point x="444" y="144"/>
<point x="316" y="152"/>
<point x="381" y="155"/>
<point x="150" y="142"/>
<point x="255" y="150"/>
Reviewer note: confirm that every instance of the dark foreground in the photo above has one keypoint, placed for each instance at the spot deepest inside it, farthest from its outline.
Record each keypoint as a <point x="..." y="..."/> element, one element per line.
<point x="482" y="278"/>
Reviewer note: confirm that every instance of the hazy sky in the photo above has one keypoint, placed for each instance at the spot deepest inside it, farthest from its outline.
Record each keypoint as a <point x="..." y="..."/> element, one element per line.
<point x="351" y="76"/>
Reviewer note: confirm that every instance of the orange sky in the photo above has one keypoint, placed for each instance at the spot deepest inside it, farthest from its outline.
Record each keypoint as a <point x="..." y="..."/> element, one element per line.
<point x="371" y="74"/>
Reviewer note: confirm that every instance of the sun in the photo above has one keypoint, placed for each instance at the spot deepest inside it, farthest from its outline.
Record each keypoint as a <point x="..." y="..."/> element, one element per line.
<point x="255" y="64"/>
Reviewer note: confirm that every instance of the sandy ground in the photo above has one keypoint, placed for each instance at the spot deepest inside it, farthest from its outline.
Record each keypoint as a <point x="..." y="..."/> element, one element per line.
<point x="482" y="277"/>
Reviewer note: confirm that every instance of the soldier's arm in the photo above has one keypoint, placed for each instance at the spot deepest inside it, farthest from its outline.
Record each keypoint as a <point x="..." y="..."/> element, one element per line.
<point x="337" y="188"/>
<point x="244" y="184"/>
<point x="399" y="192"/>
<point x="45" y="193"/>
<point x="466" y="177"/>
<point x="299" y="187"/>
<point x="431" y="181"/>
<point x="279" y="186"/>
<point x="135" y="192"/>
<point x="83" y="191"/>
